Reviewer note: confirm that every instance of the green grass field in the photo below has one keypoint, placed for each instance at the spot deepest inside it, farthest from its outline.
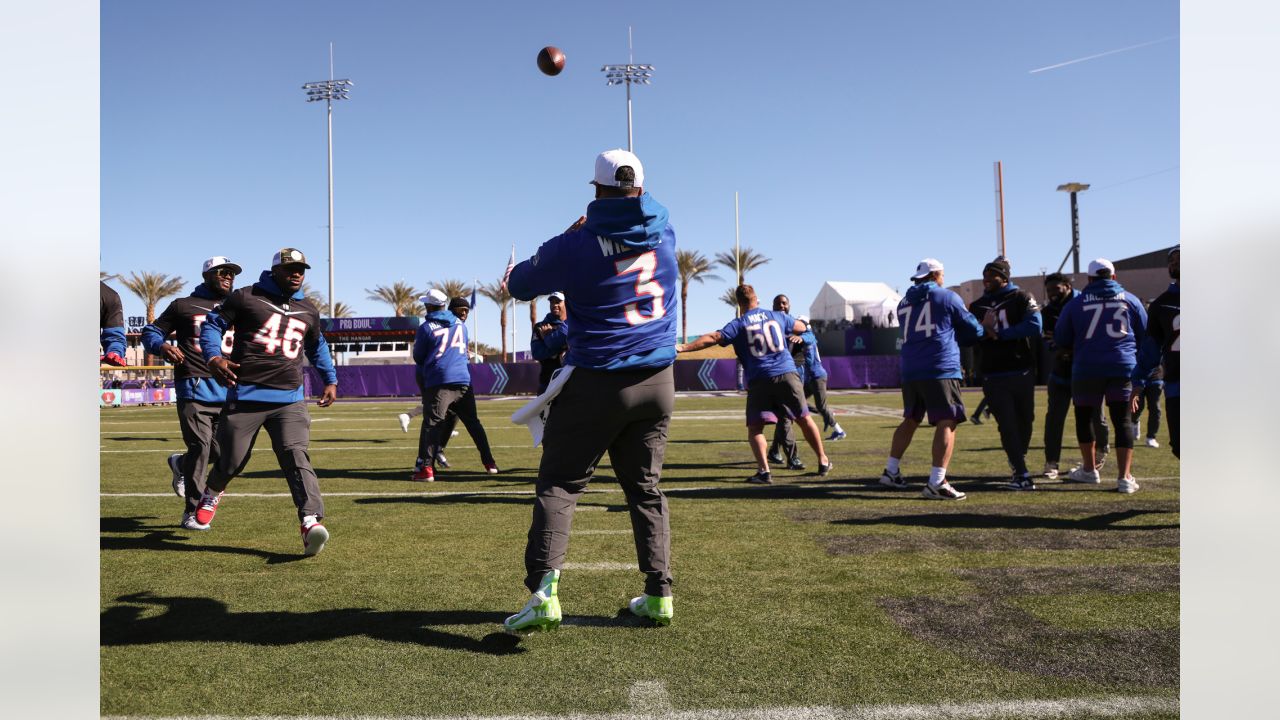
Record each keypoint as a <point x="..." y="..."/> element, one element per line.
<point x="813" y="593"/>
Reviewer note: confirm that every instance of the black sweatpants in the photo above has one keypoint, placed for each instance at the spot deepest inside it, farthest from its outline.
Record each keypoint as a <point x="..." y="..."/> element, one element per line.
<point x="1012" y="400"/>
<point x="438" y="403"/>
<point x="626" y="414"/>
<point x="1055" y="420"/>
<point x="1149" y="400"/>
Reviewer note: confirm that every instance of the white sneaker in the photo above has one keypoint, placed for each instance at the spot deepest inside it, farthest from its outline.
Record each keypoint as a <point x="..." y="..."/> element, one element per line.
<point x="1080" y="475"/>
<point x="1151" y="443"/>
<point x="314" y="535"/>
<point x="404" y="421"/>
<point x="189" y="522"/>
<point x="943" y="491"/>
<point x="1051" y="470"/>
<point x="453" y="434"/>
<point x="1127" y="485"/>
<point x="179" y="483"/>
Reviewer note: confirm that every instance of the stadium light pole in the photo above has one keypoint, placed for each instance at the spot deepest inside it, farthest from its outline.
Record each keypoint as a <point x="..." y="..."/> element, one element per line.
<point x="628" y="75"/>
<point x="1074" y="188"/>
<point x="328" y="91"/>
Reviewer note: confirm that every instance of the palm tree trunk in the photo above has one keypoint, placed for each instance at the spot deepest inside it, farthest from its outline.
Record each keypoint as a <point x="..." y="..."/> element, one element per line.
<point x="502" y="322"/>
<point x="147" y="358"/>
<point x="533" y="311"/>
<point x="684" y="311"/>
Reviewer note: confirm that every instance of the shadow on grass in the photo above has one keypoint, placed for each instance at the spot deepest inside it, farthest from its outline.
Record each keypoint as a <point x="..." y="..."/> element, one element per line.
<point x="130" y="438"/>
<point x="152" y="538"/>
<point x="952" y="521"/>
<point x="184" y="617"/>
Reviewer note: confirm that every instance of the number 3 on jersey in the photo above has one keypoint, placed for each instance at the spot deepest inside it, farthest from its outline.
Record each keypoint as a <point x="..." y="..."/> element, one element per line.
<point x="269" y="336"/>
<point x="644" y="266"/>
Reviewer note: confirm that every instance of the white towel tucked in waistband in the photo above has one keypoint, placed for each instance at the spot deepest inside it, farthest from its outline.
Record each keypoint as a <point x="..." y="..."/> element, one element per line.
<point x="536" y="411"/>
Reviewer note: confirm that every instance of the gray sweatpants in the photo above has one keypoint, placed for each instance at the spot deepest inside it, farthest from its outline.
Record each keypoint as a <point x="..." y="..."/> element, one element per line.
<point x="627" y="414"/>
<point x="289" y="427"/>
<point x="199" y="424"/>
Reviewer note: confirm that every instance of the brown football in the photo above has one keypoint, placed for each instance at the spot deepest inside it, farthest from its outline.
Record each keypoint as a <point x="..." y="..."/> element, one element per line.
<point x="550" y="60"/>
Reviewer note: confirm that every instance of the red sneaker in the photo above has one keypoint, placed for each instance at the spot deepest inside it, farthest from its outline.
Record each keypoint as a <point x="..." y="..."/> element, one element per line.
<point x="208" y="506"/>
<point x="424" y="474"/>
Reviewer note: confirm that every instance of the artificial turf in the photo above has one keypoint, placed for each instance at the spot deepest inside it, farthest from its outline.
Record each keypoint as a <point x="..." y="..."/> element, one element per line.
<point x="830" y="591"/>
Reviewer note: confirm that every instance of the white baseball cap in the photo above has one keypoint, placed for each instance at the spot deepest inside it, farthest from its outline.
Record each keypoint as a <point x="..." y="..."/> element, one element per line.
<point x="1101" y="264"/>
<point x="607" y="164"/>
<point x="803" y="318"/>
<point x="218" y="261"/>
<point x="556" y="296"/>
<point x="927" y="267"/>
<point x="434" y="298"/>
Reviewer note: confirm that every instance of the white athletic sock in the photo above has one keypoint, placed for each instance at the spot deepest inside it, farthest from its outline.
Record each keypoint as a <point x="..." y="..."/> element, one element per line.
<point x="838" y="428"/>
<point x="892" y="465"/>
<point x="937" y="476"/>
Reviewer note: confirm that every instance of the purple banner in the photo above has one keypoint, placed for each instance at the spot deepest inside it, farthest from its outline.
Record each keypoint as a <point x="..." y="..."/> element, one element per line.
<point x="859" y="371"/>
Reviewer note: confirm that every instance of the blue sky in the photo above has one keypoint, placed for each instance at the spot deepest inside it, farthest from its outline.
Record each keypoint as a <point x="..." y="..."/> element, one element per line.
<point x="860" y="136"/>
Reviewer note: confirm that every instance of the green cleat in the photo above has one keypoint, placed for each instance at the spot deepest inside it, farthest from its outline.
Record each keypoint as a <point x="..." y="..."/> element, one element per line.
<point x="657" y="608"/>
<point x="541" y="613"/>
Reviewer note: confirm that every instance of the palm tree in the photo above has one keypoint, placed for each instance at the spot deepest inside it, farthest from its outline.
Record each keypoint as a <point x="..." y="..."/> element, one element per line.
<point x="728" y="298"/>
<point x="341" y="309"/>
<point x="151" y="288"/>
<point x="693" y="267"/>
<point x="105" y="276"/>
<point x="744" y="261"/>
<point x="498" y="293"/>
<point x="453" y="288"/>
<point x="401" y="296"/>
<point x="315" y="297"/>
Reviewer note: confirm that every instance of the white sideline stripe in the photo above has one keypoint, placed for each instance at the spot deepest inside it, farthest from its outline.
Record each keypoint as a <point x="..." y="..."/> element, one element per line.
<point x="1114" y="706"/>
<point x="650" y="697"/>
<point x="414" y="448"/>
<point x="579" y="508"/>
<point x="600" y="566"/>
<point x="601" y="532"/>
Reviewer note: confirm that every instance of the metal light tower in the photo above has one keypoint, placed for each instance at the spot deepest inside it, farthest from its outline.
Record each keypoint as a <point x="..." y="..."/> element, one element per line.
<point x="328" y="91"/>
<point x="1074" y="253"/>
<point x="627" y="75"/>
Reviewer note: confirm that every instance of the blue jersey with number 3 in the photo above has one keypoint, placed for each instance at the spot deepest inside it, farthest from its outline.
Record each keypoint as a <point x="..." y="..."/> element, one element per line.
<point x="760" y="339"/>
<point x="620" y="283"/>
<point x="934" y="321"/>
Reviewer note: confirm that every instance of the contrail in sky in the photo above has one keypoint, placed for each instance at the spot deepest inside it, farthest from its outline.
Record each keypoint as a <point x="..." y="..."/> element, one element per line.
<point x="1104" y="54"/>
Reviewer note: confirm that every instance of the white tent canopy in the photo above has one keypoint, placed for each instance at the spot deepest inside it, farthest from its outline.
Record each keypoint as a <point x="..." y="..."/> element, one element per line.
<point x="850" y="301"/>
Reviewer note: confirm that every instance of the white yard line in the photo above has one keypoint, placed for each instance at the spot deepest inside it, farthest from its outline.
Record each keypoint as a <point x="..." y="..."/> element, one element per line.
<point x="906" y="495"/>
<point x="650" y="694"/>
<point x="599" y="566"/>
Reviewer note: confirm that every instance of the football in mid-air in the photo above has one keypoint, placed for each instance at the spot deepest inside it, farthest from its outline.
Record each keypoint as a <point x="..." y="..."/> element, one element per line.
<point x="550" y="60"/>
